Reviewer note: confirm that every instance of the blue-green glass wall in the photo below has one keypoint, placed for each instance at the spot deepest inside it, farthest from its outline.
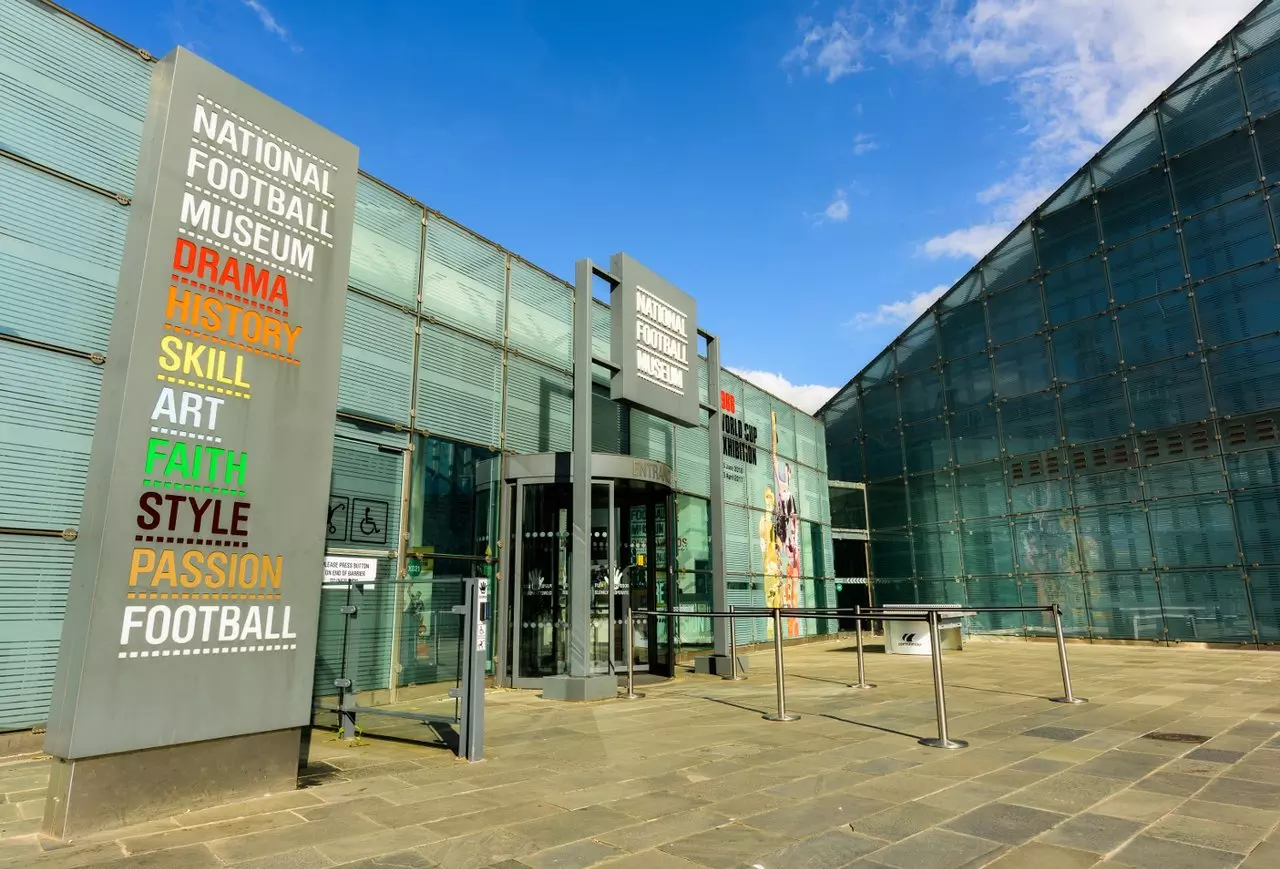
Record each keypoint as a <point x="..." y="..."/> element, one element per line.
<point x="1089" y="417"/>
<point x="454" y="350"/>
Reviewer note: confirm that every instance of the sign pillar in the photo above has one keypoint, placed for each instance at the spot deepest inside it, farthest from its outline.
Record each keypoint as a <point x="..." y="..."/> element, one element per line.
<point x="717" y="662"/>
<point x="185" y="670"/>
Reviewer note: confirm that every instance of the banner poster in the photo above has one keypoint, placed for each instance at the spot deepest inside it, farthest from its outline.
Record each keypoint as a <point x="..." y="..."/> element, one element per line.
<point x="779" y="533"/>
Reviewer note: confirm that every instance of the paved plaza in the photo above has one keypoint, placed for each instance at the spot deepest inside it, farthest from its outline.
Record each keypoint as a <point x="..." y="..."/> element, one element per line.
<point x="691" y="776"/>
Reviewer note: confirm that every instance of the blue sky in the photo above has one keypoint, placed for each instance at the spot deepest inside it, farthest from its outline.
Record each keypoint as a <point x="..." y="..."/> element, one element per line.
<point x="813" y="173"/>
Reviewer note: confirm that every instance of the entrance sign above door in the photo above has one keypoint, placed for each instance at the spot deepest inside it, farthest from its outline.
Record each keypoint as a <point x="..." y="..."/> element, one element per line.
<point x="655" y="344"/>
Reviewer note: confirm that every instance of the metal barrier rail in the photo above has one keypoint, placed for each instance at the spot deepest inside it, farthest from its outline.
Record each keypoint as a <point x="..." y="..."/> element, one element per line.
<point x="932" y="614"/>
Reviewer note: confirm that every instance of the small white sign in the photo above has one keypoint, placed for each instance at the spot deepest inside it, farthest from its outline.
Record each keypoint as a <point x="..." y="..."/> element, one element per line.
<point x="482" y="636"/>
<point x="341" y="571"/>
<point x="482" y="590"/>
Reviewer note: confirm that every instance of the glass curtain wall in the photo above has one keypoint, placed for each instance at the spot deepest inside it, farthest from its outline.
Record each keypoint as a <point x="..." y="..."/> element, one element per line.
<point x="1089" y="416"/>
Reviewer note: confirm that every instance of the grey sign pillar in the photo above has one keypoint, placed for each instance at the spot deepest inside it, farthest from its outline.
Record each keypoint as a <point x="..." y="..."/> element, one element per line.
<point x="185" y="669"/>
<point x="718" y="662"/>
<point x="579" y="683"/>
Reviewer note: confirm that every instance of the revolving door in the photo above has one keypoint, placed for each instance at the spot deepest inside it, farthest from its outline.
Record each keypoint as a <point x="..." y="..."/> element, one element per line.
<point x="632" y="565"/>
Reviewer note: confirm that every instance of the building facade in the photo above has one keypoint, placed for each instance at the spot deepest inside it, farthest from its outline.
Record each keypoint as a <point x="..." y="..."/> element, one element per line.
<point x="1089" y="416"/>
<point x="455" y="392"/>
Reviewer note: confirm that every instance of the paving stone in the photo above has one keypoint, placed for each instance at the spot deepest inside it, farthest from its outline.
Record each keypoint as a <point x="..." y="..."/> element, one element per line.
<point x="648" y="806"/>
<point x="189" y="857"/>
<point x="349" y="849"/>
<point x="833" y="848"/>
<point x="1003" y="822"/>
<point x="901" y="821"/>
<point x="965" y="796"/>
<point x="1058" y="734"/>
<point x="572" y="856"/>
<point x="565" y="827"/>
<point x="649" y="860"/>
<point x="1171" y="783"/>
<point x="935" y="849"/>
<point x="1210" y="811"/>
<point x="1218" y="835"/>
<point x="71" y="856"/>
<point x="651" y="834"/>
<point x="1067" y="792"/>
<point x="1215" y="755"/>
<point x="1125" y="765"/>
<point x="479" y="850"/>
<point x="1265" y="856"/>
<point x="232" y="827"/>
<point x="814" y="816"/>
<point x="1037" y="855"/>
<point x="1136" y="805"/>
<point x="1149" y="852"/>
<point x="299" y="858"/>
<point x="1240" y="792"/>
<point x="286" y="839"/>
<point x="730" y="845"/>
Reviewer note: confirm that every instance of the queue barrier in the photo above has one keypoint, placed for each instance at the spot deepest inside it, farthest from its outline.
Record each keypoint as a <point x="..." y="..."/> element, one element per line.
<point x="933" y="615"/>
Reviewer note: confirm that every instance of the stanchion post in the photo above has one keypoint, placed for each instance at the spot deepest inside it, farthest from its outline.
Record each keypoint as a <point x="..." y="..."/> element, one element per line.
<point x="943" y="739"/>
<point x="1068" y="696"/>
<point x="862" y="662"/>
<point x="780" y="672"/>
<point x="631" y="657"/>
<point x="734" y="675"/>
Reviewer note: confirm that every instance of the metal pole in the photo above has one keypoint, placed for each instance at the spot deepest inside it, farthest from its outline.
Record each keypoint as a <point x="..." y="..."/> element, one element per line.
<point x="862" y="662"/>
<point x="1067" y="697"/>
<point x="781" y="714"/>
<point x="943" y="740"/>
<point x="733" y="676"/>
<point x="631" y="658"/>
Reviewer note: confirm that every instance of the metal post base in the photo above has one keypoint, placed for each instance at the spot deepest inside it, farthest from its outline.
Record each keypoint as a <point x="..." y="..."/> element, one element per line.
<point x="786" y="716"/>
<point x="1068" y="700"/>
<point x="631" y="696"/>
<point x="735" y="678"/>
<point x="861" y="686"/>
<point x="935" y="742"/>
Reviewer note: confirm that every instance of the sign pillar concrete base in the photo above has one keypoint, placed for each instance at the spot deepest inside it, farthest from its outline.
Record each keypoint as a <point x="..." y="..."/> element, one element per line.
<point x="717" y="665"/>
<point x="93" y="794"/>
<point x="580" y="688"/>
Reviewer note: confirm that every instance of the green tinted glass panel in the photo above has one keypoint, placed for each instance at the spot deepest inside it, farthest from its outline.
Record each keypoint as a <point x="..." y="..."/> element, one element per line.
<point x="1264" y="591"/>
<point x="1215" y="173"/>
<point x="540" y="318"/>
<point x="1114" y="538"/>
<point x="1240" y="305"/>
<point x="848" y="508"/>
<point x="464" y="280"/>
<point x="693" y="548"/>
<point x="1076" y="290"/>
<point x="1022" y="367"/>
<point x="918" y="346"/>
<point x="48" y="406"/>
<point x="1133" y="151"/>
<point x="377" y="361"/>
<point x="1124" y="606"/>
<point x="652" y="438"/>
<point x="920" y="395"/>
<point x="1192" y="477"/>
<point x="1085" y="349"/>
<point x="937" y="551"/>
<point x="1109" y="487"/>
<point x="1146" y="267"/>
<point x="1258" y="518"/>
<point x="932" y="498"/>
<point x="539" y="408"/>
<point x="1206" y="606"/>
<point x="1196" y="532"/>
<point x="980" y="490"/>
<point x="386" y="244"/>
<point x="1094" y="409"/>
<point x="73" y="99"/>
<point x="1015" y="313"/>
<point x="54" y="236"/>
<point x="1030" y="423"/>
<point x="964" y="330"/>
<point x="459" y="382"/>
<point x="1045" y="543"/>
<point x="926" y="445"/>
<point x="367" y="479"/>
<point x="987" y="547"/>
<point x="35" y="574"/>
<point x="887" y="503"/>
<point x="1156" y="329"/>
<point x="1246" y="376"/>
<point x="738" y="539"/>
<point x="1170" y="393"/>
<point x="1067" y="235"/>
<point x="1012" y="262"/>
<point x="693" y="467"/>
<point x="968" y="382"/>
<point x="974" y="435"/>
<point x="1202" y="111"/>
<point x="884" y="453"/>
<point x="1135" y="207"/>
<point x="891" y="554"/>
<point x="1227" y="238"/>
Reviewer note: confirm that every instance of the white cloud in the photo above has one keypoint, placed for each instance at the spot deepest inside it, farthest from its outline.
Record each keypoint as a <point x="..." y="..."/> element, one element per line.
<point x="268" y="20"/>
<point x="864" y="143"/>
<point x="835" y="50"/>
<point x="807" y="398"/>
<point x="837" y="210"/>
<point x="1078" y="71"/>
<point x="901" y="313"/>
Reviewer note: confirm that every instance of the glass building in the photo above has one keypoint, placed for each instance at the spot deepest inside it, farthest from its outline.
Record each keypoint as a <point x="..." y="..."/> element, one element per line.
<point x="1090" y="415"/>
<point x="455" y="397"/>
